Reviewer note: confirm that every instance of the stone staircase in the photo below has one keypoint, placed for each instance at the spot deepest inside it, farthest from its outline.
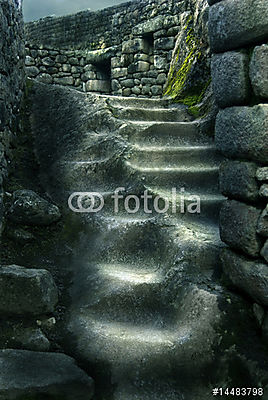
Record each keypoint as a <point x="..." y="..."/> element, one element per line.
<point x="144" y="303"/>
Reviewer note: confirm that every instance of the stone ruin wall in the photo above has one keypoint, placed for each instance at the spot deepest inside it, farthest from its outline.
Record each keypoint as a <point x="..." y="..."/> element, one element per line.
<point x="122" y="50"/>
<point x="240" y="83"/>
<point x="12" y="77"/>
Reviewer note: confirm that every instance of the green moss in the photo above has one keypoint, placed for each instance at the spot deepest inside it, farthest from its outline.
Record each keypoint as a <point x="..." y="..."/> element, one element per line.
<point x="177" y="79"/>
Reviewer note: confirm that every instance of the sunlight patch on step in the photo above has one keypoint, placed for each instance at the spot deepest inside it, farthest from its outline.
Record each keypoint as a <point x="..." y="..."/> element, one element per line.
<point x="119" y="272"/>
<point x="173" y="169"/>
<point x="171" y="148"/>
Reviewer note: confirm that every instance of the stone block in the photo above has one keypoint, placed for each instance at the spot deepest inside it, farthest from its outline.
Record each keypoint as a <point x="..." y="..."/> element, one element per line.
<point x="160" y="62"/>
<point x="238" y="180"/>
<point x="264" y="190"/>
<point x="28" y="208"/>
<point x="161" y="78"/>
<point x="248" y="275"/>
<point x="61" y="59"/>
<point x="139" y="66"/>
<point x="262" y="174"/>
<point x="98" y="86"/>
<point x="237" y="23"/>
<point x="64" y="81"/>
<point x="241" y="132"/>
<point x="165" y="43"/>
<point x="48" y="62"/>
<point x="45" y="78"/>
<point x="238" y="227"/>
<point x="127" y="83"/>
<point x="264" y="251"/>
<point x="230" y="78"/>
<point x="32" y="72"/>
<point x="35" y="375"/>
<point x="262" y="228"/>
<point x="119" y="72"/>
<point x="116" y="62"/>
<point x="88" y="75"/>
<point x="73" y="61"/>
<point x="259" y="71"/>
<point x="26" y="291"/>
<point x="157" y="90"/>
<point x="18" y="335"/>
<point x="29" y="61"/>
<point x="133" y="46"/>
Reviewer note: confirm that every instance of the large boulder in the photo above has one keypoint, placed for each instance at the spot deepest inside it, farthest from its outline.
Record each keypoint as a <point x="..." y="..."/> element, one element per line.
<point x="248" y="275"/>
<point x="238" y="226"/>
<point x="238" y="180"/>
<point x="241" y="132"/>
<point x="18" y="335"/>
<point x="230" y="78"/>
<point x="237" y="23"/>
<point x="26" y="291"/>
<point x="34" y="375"/>
<point x="263" y="223"/>
<point x="259" y="71"/>
<point x="28" y="208"/>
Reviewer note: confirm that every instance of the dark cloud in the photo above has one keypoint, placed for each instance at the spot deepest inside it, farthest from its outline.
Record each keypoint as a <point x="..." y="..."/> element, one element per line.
<point x="35" y="9"/>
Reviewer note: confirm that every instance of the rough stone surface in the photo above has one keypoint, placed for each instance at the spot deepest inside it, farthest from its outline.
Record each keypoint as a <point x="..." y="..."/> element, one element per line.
<point x="249" y="276"/>
<point x="26" y="291"/>
<point x="238" y="180"/>
<point x="263" y="223"/>
<point x="264" y="190"/>
<point x="230" y="78"/>
<point x="233" y="24"/>
<point x="259" y="71"/>
<point x="241" y="132"/>
<point x="28" y="208"/>
<point x="264" y="251"/>
<point x="238" y="225"/>
<point x="16" y="335"/>
<point x="12" y="75"/>
<point x="26" y="374"/>
<point x="262" y="174"/>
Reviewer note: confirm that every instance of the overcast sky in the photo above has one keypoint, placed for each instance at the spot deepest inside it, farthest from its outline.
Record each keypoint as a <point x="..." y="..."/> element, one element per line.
<point x="35" y="9"/>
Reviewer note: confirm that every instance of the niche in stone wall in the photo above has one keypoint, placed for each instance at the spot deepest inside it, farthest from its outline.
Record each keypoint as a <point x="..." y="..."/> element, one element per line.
<point x="102" y="81"/>
<point x="149" y="40"/>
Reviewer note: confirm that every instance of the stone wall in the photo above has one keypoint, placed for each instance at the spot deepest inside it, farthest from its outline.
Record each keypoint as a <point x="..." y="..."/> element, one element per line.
<point x="11" y="81"/>
<point x="123" y="50"/>
<point x="238" y="32"/>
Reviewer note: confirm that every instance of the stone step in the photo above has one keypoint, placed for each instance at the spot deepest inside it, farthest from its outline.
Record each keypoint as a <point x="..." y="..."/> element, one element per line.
<point x="191" y="179"/>
<point x="144" y="102"/>
<point x="165" y="134"/>
<point x="152" y="114"/>
<point x="161" y="156"/>
<point x="123" y="292"/>
<point x="182" y="204"/>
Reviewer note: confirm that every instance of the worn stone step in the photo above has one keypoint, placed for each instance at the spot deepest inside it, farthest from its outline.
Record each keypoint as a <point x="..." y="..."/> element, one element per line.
<point x="183" y="204"/>
<point x="145" y="102"/>
<point x="161" y="156"/>
<point x="165" y="133"/>
<point x="191" y="178"/>
<point x="123" y="292"/>
<point x="152" y="114"/>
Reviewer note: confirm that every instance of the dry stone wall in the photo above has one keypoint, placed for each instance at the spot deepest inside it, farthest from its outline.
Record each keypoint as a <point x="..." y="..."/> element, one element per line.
<point x="238" y="31"/>
<point x="123" y="50"/>
<point x="11" y="82"/>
